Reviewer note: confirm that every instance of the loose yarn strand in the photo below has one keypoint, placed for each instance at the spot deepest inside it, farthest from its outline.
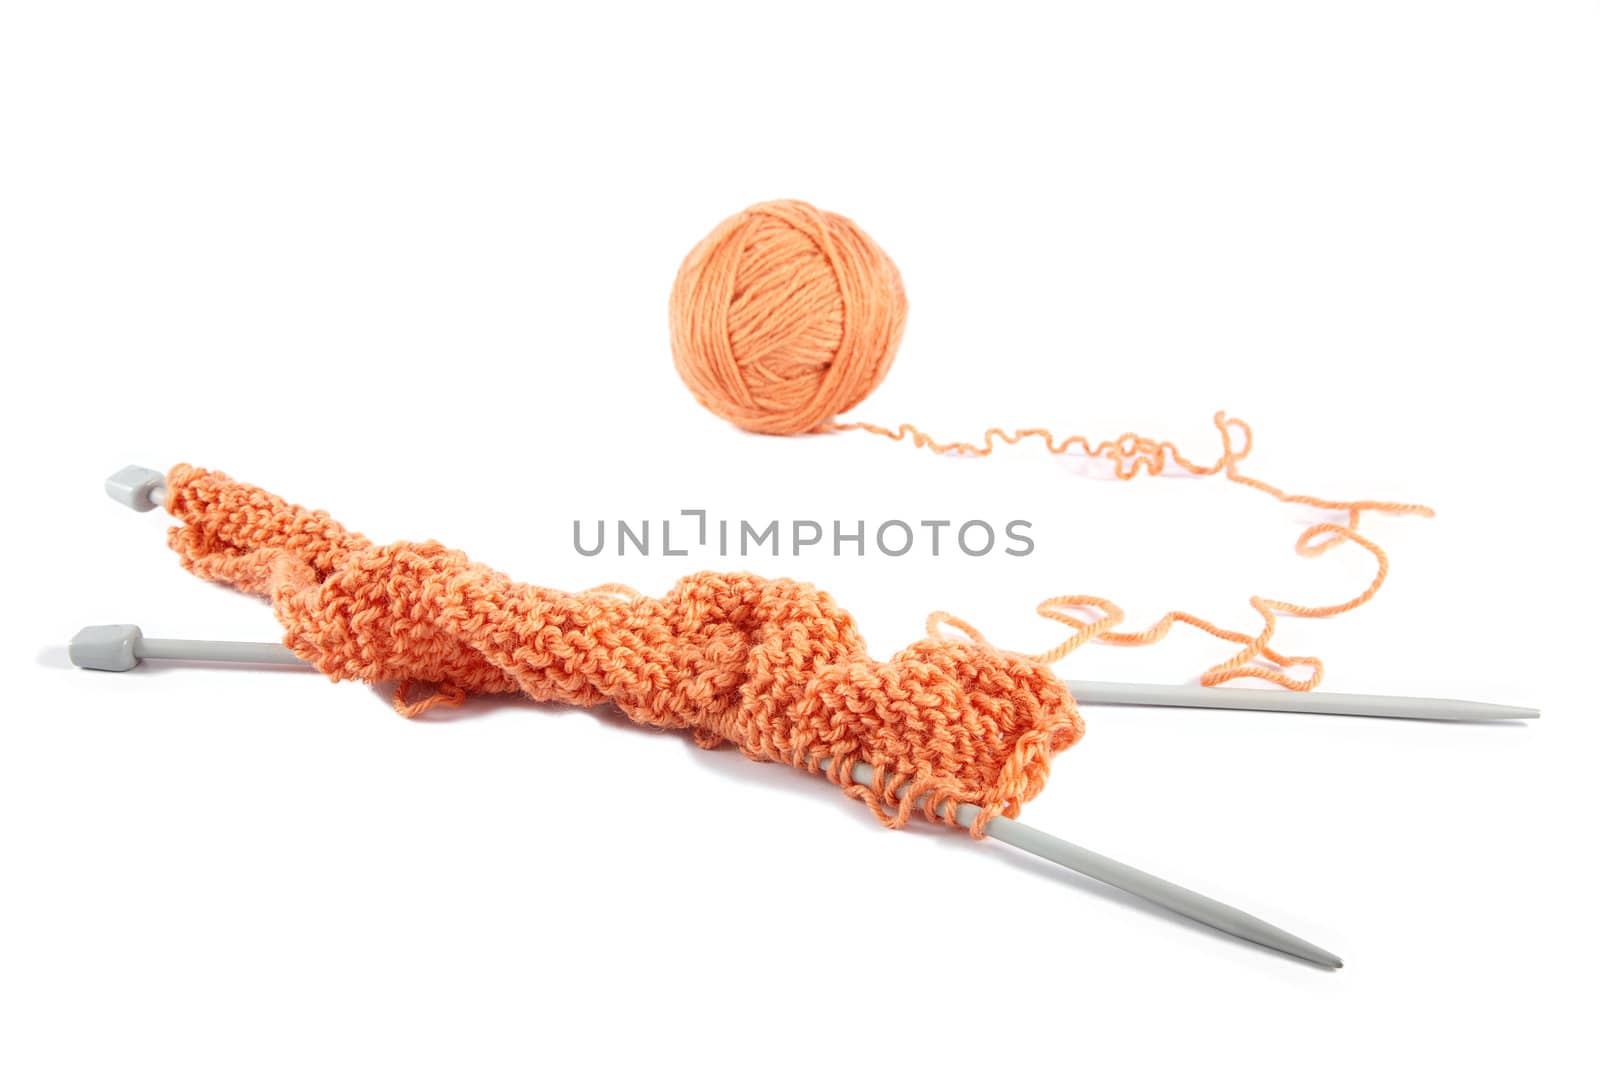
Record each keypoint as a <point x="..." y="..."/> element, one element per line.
<point x="785" y="316"/>
<point x="1133" y="454"/>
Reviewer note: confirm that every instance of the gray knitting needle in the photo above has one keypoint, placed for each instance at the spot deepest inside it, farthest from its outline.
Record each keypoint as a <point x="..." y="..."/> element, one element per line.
<point x="1185" y="902"/>
<point x="100" y="646"/>
<point x="1206" y="696"/>
<point x="144" y="489"/>
<point x="124" y="647"/>
<point x="121" y="648"/>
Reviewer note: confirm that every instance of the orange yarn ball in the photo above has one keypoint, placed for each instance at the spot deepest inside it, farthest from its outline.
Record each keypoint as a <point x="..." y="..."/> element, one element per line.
<point x="785" y="316"/>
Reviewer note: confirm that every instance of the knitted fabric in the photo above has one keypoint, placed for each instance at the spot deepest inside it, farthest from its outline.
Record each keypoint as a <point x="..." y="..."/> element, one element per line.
<point x="774" y="666"/>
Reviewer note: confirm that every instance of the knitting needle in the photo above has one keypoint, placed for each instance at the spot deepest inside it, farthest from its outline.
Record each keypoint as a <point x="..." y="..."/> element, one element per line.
<point x="122" y="647"/>
<point x="1206" y="696"/>
<point x="125" y="645"/>
<point x="1159" y="891"/>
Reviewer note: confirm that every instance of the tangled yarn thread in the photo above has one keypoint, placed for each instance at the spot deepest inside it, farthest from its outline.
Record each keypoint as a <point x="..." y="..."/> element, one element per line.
<point x="786" y="316"/>
<point x="776" y="667"/>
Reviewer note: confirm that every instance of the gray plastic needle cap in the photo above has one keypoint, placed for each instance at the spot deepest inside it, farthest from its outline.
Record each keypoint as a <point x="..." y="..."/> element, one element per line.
<point x="105" y="648"/>
<point x="139" y="488"/>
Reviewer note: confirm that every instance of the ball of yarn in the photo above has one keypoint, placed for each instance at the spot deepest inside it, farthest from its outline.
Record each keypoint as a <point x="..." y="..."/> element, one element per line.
<point x="785" y="316"/>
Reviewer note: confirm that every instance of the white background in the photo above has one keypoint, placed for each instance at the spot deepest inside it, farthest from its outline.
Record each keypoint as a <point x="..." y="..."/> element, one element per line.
<point x="410" y="263"/>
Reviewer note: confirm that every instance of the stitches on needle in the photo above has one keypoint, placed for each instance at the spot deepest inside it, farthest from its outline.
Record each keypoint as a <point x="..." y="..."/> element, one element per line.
<point x="773" y="666"/>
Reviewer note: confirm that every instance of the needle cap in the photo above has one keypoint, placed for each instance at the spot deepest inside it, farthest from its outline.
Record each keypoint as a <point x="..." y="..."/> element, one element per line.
<point x="105" y="648"/>
<point x="139" y="488"/>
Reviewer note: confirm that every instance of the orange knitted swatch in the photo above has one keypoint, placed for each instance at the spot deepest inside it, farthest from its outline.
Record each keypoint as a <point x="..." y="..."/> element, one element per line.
<point x="776" y="667"/>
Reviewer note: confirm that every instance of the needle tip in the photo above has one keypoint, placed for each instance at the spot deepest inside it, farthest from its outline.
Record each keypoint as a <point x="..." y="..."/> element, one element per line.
<point x="1322" y="957"/>
<point x="1295" y="946"/>
<point x="1506" y="711"/>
